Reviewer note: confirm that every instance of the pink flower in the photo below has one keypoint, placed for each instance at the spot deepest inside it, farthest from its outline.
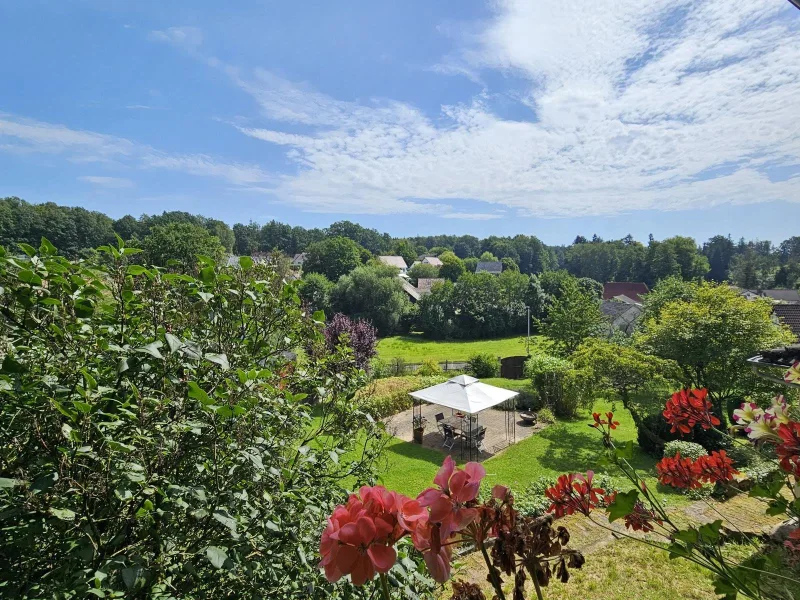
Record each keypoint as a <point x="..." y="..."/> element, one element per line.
<point x="456" y="488"/>
<point x="747" y="412"/>
<point x="793" y="374"/>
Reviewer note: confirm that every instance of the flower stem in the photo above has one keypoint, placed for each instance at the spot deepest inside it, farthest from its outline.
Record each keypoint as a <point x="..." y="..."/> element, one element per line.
<point x="384" y="586"/>
<point x="536" y="585"/>
<point x="493" y="577"/>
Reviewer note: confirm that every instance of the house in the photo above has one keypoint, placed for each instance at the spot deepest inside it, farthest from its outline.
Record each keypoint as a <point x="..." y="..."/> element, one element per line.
<point x="413" y="293"/>
<point x="494" y="267"/>
<point x="789" y="314"/>
<point x="424" y="285"/>
<point x="633" y="290"/>
<point x="394" y="261"/>
<point x="434" y="261"/>
<point x="782" y="295"/>
<point x="621" y="315"/>
<point x="298" y="260"/>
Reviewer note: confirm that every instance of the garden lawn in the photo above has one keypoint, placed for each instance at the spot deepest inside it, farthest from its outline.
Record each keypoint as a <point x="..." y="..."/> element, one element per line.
<point x="414" y="348"/>
<point x="564" y="447"/>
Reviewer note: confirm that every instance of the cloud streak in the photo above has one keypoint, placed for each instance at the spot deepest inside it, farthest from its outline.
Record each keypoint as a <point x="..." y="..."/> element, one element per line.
<point x="658" y="106"/>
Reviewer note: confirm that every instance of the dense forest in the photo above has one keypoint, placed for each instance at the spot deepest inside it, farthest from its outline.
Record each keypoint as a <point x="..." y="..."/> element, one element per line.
<point x="74" y="231"/>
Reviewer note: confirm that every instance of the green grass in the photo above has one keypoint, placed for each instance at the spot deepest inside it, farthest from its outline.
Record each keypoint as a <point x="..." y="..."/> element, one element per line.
<point x="565" y="447"/>
<point x="414" y="348"/>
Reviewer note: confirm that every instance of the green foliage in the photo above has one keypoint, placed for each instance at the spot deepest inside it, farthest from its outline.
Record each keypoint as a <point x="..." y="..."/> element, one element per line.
<point x="710" y="336"/>
<point x="452" y="267"/>
<point x="158" y="436"/>
<point x="429" y="367"/>
<point x="686" y="449"/>
<point x="182" y="242"/>
<point x="372" y="292"/>
<point x="389" y="396"/>
<point x="531" y="500"/>
<point x="572" y="318"/>
<point x="405" y="249"/>
<point x="545" y="415"/>
<point x="315" y="290"/>
<point x="561" y="386"/>
<point x="332" y="257"/>
<point x="423" y="271"/>
<point x="483" y="365"/>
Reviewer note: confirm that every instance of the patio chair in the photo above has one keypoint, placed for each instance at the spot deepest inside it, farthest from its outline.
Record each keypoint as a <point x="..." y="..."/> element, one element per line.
<point x="439" y="419"/>
<point x="449" y="437"/>
<point x="477" y="440"/>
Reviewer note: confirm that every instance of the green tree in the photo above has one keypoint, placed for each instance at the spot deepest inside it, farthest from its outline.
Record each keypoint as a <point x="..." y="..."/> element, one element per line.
<point x="719" y="251"/>
<point x="572" y="318"/>
<point x="467" y="246"/>
<point x="157" y="441"/>
<point x="315" y="290"/>
<point x="373" y="293"/>
<point x="452" y="267"/>
<point x="183" y="242"/>
<point x="423" y="271"/>
<point x="470" y="264"/>
<point x="246" y="238"/>
<point x="710" y="336"/>
<point x="405" y="249"/>
<point x="333" y="257"/>
<point x="488" y="257"/>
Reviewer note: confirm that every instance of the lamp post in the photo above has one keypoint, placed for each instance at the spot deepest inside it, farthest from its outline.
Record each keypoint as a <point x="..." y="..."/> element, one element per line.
<point x="528" y="339"/>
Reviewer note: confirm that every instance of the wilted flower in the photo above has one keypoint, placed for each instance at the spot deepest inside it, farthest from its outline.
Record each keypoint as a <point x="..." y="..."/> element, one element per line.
<point x="641" y="518"/>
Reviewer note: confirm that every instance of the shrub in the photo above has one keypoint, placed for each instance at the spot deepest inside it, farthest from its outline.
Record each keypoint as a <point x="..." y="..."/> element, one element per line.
<point x="656" y="424"/>
<point x="359" y="335"/>
<point x="429" y="367"/>
<point x="686" y="449"/>
<point x="379" y="368"/>
<point x="483" y="365"/>
<point x="529" y="400"/>
<point x="545" y="415"/>
<point x="154" y="444"/>
<point x="531" y="501"/>
<point x="560" y="386"/>
<point x="389" y="396"/>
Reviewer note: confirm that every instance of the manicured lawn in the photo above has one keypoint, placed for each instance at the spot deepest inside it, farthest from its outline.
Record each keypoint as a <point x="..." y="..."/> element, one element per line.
<point x="565" y="447"/>
<point x="415" y="348"/>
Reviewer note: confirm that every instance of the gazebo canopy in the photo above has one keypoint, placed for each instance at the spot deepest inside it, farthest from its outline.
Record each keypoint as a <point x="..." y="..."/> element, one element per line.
<point x="464" y="393"/>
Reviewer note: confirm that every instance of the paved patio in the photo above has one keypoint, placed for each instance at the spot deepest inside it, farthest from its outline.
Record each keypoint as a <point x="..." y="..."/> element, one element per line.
<point x="494" y="420"/>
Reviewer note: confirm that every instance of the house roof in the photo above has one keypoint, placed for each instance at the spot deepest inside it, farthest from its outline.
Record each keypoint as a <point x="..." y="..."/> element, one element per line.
<point x="433" y="260"/>
<point x="492" y="266"/>
<point x="790" y="315"/>
<point x="782" y="295"/>
<point x="633" y="290"/>
<point x="394" y="261"/>
<point x="425" y="284"/>
<point x="299" y="259"/>
<point x="614" y="308"/>
<point x="410" y="290"/>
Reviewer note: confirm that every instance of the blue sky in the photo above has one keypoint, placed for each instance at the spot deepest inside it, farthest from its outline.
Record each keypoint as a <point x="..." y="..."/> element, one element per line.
<point x="541" y="117"/>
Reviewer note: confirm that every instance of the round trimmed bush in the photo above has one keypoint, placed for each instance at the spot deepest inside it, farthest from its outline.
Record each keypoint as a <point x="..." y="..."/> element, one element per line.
<point x="483" y="365"/>
<point x="686" y="449"/>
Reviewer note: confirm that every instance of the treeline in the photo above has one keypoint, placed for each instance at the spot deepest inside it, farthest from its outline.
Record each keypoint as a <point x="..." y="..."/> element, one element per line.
<point x="74" y="230"/>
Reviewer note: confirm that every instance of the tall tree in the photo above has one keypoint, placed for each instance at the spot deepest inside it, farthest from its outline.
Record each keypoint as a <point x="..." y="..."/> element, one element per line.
<point x="333" y="257"/>
<point x="573" y="318"/>
<point x="183" y="242"/>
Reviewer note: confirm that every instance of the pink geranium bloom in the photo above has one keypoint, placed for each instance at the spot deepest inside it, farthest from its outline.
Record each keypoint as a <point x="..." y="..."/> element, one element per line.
<point x="456" y="487"/>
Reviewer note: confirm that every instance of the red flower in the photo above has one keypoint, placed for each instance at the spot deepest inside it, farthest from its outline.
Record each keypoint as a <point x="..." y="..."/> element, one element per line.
<point x="688" y="408"/>
<point x="714" y="467"/>
<point x="360" y="536"/>
<point x="642" y="518"/>
<point x="789" y="448"/>
<point x="574" y="493"/>
<point x="677" y="472"/>
<point x="793" y="543"/>
<point x="609" y="421"/>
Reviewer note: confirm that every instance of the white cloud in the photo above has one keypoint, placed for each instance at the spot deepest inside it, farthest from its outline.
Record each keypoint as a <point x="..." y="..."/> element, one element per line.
<point x="636" y="105"/>
<point x="473" y="216"/>
<point x="108" y="182"/>
<point x="189" y="38"/>
<point x="26" y="135"/>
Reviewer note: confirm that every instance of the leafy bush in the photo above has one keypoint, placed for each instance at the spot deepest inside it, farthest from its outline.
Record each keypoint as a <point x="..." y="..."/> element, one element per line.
<point x="561" y="387"/>
<point x="655" y="424"/>
<point x="360" y="336"/>
<point x="686" y="449"/>
<point x="154" y="443"/>
<point x="529" y="400"/>
<point x="389" y="396"/>
<point x="483" y="365"/>
<point x="429" y="367"/>
<point x="379" y="368"/>
<point x="545" y="415"/>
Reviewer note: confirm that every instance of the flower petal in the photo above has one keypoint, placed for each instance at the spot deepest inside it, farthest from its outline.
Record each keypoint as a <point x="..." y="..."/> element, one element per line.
<point x="445" y="471"/>
<point x="382" y="557"/>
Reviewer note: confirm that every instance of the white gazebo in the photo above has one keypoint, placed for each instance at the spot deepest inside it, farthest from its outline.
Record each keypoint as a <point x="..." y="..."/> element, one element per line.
<point x="466" y="397"/>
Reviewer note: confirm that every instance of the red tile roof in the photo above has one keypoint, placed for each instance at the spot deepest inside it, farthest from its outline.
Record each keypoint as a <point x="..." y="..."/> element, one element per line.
<point x="634" y="290"/>
<point x="790" y="315"/>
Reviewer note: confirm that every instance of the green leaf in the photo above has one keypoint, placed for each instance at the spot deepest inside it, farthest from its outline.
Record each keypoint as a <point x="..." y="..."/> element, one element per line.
<point x="198" y="394"/>
<point x="173" y="341"/>
<point x="206" y="260"/>
<point x="625" y="451"/>
<point x="217" y="556"/>
<point x="318" y="316"/>
<point x="5" y="482"/>
<point x="46" y="248"/>
<point x="205" y="296"/>
<point x="224" y="517"/>
<point x="27" y="249"/>
<point x="219" y="359"/>
<point x="136" y="270"/>
<point x="245" y="262"/>
<point x="11" y="366"/>
<point x="623" y="505"/>
<point x="207" y="275"/>
<point x="151" y="349"/>
<point x="83" y="308"/>
<point x="133" y="577"/>
<point x="83" y="407"/>
<point x="710" y="531"/>
<point x="686" y="535"/>
<point x="91" y="382"/>
<point x="64" y="514"/>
